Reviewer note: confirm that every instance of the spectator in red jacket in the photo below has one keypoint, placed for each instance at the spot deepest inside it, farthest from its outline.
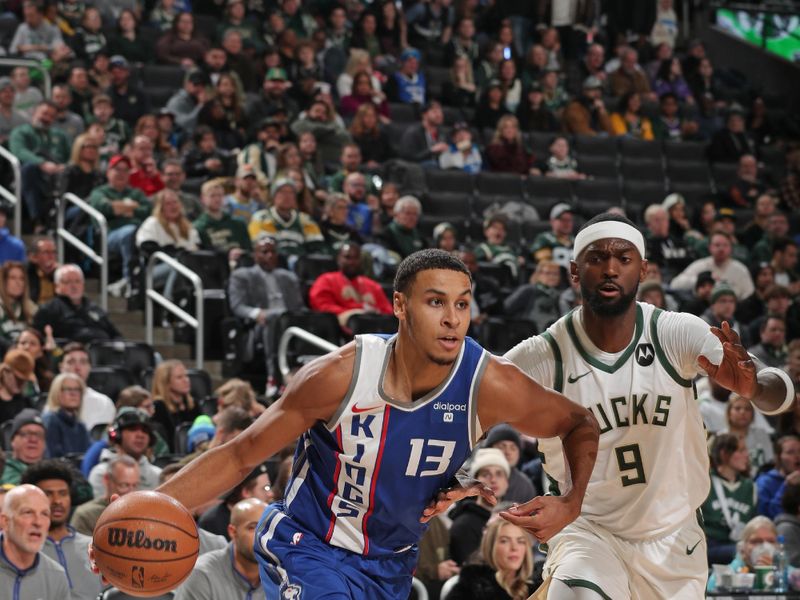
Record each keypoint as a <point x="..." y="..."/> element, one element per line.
<point x="348" y="292"/>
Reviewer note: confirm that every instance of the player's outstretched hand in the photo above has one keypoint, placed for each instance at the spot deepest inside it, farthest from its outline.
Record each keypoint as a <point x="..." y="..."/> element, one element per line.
<point x="90" y="550"/>
<point x="446" y="498"/>
<point x="736" y="371"/>
<point x="542" y="517"/>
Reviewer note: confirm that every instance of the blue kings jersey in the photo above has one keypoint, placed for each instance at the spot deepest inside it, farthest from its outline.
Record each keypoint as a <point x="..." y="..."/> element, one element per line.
<point x="361" y="480"/>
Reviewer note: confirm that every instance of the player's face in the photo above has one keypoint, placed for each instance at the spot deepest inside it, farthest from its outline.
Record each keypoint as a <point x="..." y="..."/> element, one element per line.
<point x="789" y="459"/>
<point x="495" y="478"/>
<point x="510" y="450"/>
<point x="609" y="272"/>
<point x="57" y="492"/>
<point x="435" y="313"/>
<point x="510" y="548"/>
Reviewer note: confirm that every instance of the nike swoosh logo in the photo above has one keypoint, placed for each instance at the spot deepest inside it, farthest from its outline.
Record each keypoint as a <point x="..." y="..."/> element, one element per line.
<point x="689" y="551"/>
<point x="573" y="379"/>
<point x="356" y="408"/>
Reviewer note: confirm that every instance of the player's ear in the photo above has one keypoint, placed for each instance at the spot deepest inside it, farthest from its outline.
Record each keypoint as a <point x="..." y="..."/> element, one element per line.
<point x="643" y="272"/>
<point x="231" y="531"/>
<point x="573" y="271"/>
<point x="399" y="304"/>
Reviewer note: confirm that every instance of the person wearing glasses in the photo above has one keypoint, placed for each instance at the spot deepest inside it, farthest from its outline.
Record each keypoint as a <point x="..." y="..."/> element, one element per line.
<point x="65" y="432"/>
<point x="121" y="477"/>
<point x="28" y="445"/>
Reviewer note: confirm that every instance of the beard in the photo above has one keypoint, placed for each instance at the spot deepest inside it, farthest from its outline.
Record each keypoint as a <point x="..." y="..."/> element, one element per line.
<point x="605" y="307"/>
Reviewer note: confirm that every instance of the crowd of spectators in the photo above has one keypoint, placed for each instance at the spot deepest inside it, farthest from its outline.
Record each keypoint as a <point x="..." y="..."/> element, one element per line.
<point x="313" y="145"/>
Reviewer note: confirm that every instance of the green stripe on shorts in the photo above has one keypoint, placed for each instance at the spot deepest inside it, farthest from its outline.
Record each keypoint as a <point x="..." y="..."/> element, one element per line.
<point x="588" y="585"/>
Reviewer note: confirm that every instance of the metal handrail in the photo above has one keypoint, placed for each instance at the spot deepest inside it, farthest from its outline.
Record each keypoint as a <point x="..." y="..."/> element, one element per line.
<point x="62" y="235"/>
<point x="16" y="197"/>
<point x="283" y="346"/>
<point x="151" y="296"/>
<point x="31" y="62"/>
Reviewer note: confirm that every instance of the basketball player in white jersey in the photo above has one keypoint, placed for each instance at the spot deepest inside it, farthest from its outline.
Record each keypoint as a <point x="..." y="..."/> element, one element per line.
<point x="632" y="366"/>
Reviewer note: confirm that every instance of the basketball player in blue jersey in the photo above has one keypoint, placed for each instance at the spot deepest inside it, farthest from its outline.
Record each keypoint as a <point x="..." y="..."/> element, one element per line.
<point x="384" y="423"/>
<point x="633" y="366"/>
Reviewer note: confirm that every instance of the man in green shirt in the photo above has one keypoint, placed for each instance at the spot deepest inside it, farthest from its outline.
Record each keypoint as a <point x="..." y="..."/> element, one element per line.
<point x="43" y="151"/>
<point x="28" y="445"/>
<point x="125" y="208"/>
<point x="402" y="234"/>
<point x="219" y="231"/>
<point x="556" y="244"/>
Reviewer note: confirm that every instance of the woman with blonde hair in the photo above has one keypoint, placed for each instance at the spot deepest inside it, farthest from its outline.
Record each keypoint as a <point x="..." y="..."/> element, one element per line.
<point x="16" y="308"/>
<point x="172" y="398"/>
<point x="372" y="140"/>
<point x="507" y="153"/>
<point x="460" y="90"/>
<point x="505" y="567"/>
<point x="83" y="172"/>
<point x="238" y="392"/>
<point x="359" y="61"/>
<point x="65" y="433"/>
<point x="756" y="547"/>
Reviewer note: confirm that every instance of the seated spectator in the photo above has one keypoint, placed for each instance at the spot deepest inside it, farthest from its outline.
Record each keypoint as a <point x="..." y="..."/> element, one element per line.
<point x="748" y="186"/>
<point x="225" y="122"/>
<point x="402" y="235"/>
<point x="96" y="408"/>
<point x="384" y="215"/>
<point x="372" y="140"/>
<point x="43" y="151"/>
<point x="174" y="178"/>
<point x="758" y="532"/>
<point x="38" y="347"/>
<point x="232" y="571"/>
<point x="787" y="524"/>
<point x="26" y="96"/>
<point x="460" y="90"/>
<point x="71" y="314"/>
<point x="506" y="439"/>
<point x="669" y="80"/>
<point x="99" y="72"/>
<point x="363" y="93"/>
<point x="668" y="251"/>
<point x="128" y="97"/>
<point x="721" y="266"/>
<point x="462" y="153"/>
<point x="556" y="244"/>
<point x="424" y="142"/>
<point x="351" y="161"/>
<point x="732" y="142"/>
<point x="470" y="515"/>
<point x="66" y="433"/>
<point x="130" y="435"/>
<point x="166" y="230"/>
<point x="784" y="264"/>
<point x="144" y="171"/>
<point x="148" y="126"/>
<point x="560" y="163"/>
<point x="83" y="172"/>
<point x="125" y="208"/>
<point x="628" y="121"/>
<point x="430" y="26"/>
<point x="538" y="300"/>
<point x="16" y="308"/>
<point x="116" y="131"/>
<point x="512" y="86"/>
<point x="408" y="84"/>
<point x="121" y="477"/>
<point x="66" y="120"/>
<point x="219" y="231"/>
<point x="260" y="294"/>
<point x="36" y="38"/>
<point x="256" y="485"/>
<point x="182" y="45"/>
<point x="295" y="232"/>
<point x="777" y="228"/>
<point x="236" y="395"/>
<point x="506" y="153"/>
<point x="503" y="571"/>
<point x="172" y="398"/>
<point x="236" y="20"/>
<point x="629" y="77"/>
<point x="759" y="124"/>
<point x="28" y="445"/>
<point x="321" y="120"/>
<point x="274" y="98"/>
<point x="771" y="484"/>
<point x="10" y="116"/>
<point x="754" y="230"/>
<point x="740" y="417"/>
<point x="26" y="569"/>
<point x="536" y="61"/>
<point x="754" y="306"/>
<point x="495" y="249"/>
<point x="334" y="225"/>
<point x="554" y="96"/>
<point x="11" y="247"/>
<point x="64" y="545"/>
<point x="187" y="102"/>
<point x="491" y="106"/>
<point x="348" y="291"/>
<point x="771" y="350"/>
<point x="358" y="61"/>
<point x="81" y="91"/>
<point x="247" y="197"/>
<point x="669" y="125"/>
<point x="586" y="114"/>
<point x="722" y="307"/>
<point x="204" y="158"/>
<point x="533" y="113"/>
<point x="126" y="41"/>
<point x="445" y="237"/>
<point x="89" y="38"/>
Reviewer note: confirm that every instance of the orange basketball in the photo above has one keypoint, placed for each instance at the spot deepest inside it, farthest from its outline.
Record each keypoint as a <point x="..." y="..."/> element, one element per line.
<point x="145" y="543"/>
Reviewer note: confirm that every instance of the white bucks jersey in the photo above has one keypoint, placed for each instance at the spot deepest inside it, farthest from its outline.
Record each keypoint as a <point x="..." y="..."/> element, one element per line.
<point x="652" y="467"/>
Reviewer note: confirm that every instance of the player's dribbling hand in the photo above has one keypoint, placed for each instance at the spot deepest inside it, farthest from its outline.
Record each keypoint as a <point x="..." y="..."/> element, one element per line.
<point x="736" y="371"/>
<point x="447" y="497"/>
<point x="544" y="516"/>
<point x="90" y="551"/>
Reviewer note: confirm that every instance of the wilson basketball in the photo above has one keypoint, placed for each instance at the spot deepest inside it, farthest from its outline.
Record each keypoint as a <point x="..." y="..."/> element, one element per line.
<point x="145" y="543"/>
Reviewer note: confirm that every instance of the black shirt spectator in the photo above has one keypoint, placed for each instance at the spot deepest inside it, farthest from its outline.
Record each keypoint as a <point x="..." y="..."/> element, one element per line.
<point x="732" y="142"/>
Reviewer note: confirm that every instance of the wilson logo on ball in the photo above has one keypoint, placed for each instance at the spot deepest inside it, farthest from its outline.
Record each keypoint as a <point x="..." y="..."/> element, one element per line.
<point x="119" y="536"/>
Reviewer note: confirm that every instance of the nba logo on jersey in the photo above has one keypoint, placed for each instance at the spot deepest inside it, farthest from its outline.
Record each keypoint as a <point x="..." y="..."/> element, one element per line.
<point x="296" y="538"/>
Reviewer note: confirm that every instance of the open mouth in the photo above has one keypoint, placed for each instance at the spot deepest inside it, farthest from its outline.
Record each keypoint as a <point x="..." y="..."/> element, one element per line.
<point x="449" y="342"/>
<point x="609" y="290"/>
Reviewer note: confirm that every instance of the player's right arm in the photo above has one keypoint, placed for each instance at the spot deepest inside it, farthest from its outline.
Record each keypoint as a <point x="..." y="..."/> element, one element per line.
<point x="313" y="394"/>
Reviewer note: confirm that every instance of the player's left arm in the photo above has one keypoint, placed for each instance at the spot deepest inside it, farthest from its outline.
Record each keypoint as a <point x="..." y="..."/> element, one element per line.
<point x="770" y="390"/>
<point x="508" y="395"/>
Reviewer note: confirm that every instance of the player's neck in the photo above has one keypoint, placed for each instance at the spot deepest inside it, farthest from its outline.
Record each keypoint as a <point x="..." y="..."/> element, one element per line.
<point x="411" y="374"/>
<point x="610" y="334"/>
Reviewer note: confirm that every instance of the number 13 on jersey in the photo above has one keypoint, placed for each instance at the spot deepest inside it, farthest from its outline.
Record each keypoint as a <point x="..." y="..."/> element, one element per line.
<point x="436" y="459"/>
